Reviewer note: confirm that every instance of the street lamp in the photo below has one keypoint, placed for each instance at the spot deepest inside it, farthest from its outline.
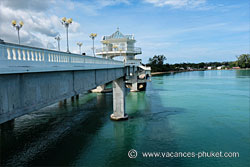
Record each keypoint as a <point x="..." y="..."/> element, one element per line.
<point x="18" y="27"/>
<point x="66" y="23"/>
<point x="114" y="48"/>
<point x="58" y="38"/>
<point x="105" y="48"/>
<point x="106" y="45"/>
<point x="92" y="36"/>
<point x="120" y="51"/>
<point x="80" y="45"/>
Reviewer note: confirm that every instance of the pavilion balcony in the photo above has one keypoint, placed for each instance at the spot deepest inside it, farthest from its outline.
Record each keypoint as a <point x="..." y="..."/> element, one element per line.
<point x="105" y="50"/>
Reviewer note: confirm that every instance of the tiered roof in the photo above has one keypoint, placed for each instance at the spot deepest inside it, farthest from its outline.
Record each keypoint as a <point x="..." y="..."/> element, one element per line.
<point x="118" y="35"/>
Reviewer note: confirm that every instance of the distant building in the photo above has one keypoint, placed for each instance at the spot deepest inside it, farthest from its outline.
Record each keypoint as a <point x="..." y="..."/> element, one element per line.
<point x="209" y="68"/>
<point x="219" y="68"/>
<point x="235" y="67"/>
<point x="120" y="45"/>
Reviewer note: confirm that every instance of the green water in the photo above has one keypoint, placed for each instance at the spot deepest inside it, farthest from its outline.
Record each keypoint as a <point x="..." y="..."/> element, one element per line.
<point x="183" y="112"/>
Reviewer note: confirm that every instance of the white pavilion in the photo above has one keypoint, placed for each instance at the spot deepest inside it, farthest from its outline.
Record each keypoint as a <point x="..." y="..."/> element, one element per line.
<point x="120" y="45"/>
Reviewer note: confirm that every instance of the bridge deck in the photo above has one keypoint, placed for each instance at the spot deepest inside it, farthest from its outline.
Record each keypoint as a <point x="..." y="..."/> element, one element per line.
<point x="33" y="78"/>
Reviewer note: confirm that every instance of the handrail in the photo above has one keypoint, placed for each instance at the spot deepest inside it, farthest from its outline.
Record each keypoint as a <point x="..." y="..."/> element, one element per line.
<point x="117" y="50"/>
<point x="14" y="52"/>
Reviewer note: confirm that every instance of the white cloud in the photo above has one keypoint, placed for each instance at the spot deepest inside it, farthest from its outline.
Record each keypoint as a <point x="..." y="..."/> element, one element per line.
<point x="34" y="5"/>
<point x="40" y="26"/>
<point x="177" y="3"/>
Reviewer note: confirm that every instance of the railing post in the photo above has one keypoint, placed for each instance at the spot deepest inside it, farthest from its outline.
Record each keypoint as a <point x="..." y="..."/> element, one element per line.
<point x="45" y="56"/>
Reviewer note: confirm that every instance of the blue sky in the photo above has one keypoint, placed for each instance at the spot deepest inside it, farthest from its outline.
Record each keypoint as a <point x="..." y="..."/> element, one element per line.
<point x="182" y="30"/>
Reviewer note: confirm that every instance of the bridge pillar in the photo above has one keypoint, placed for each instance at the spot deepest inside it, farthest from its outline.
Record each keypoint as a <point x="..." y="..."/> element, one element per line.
<point x="134" y="87"/>
<point x="119" y="100"/>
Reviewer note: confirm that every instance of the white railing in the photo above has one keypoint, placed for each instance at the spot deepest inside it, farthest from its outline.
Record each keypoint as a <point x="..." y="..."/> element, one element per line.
<point x="118" y="50"/>
<point x="12" y="55"/>
<point x="133" y="62"/>
<point x="145" y="68"/>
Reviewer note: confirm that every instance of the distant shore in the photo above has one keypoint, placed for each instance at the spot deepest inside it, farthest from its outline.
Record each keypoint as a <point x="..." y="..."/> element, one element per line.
<point x="169" y="72"/>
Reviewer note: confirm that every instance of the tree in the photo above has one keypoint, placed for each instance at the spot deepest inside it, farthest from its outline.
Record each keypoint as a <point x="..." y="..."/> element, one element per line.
<point x="157" y="60"/>
<point x="243" y="61"/>
<point x="201" y="65"/>
<point x="157" y="63"/>
<point x="232" y="64"/>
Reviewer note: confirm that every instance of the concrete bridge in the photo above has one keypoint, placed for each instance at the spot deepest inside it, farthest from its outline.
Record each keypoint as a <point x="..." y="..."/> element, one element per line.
<point x="32" y="78"/>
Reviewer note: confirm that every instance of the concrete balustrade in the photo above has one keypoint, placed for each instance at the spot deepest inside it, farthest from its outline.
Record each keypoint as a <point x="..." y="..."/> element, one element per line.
<point x="30" y="59"/>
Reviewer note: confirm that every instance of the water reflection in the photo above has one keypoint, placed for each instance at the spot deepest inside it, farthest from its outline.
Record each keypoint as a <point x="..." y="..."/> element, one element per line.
<point x="242" y="73"/>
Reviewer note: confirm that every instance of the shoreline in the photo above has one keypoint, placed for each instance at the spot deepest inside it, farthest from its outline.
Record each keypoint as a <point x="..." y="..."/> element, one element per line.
<point x="169" y="72"/>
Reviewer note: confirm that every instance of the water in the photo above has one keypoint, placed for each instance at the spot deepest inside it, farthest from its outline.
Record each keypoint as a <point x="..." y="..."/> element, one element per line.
<point x="183" y="112"/>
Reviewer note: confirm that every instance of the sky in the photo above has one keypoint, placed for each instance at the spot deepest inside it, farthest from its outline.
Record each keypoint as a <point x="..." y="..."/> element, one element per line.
<point x="182" y="30"/>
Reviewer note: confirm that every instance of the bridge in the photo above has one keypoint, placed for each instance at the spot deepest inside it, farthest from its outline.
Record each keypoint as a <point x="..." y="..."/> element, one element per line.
<point x="32" y="78"/>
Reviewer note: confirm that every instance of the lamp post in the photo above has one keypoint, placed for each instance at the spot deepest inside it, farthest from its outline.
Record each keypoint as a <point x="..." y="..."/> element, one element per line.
<point x="106" y="43"/>
<point x="105" y="48"/>
<point x="92" y="36"/>
<point x="80" y="45"/>
<point x="120" y="51"/>
<point x="58" y="38"/>
<point x="18" y="27"/>
<point x="66" y="23"/>
<point x="114" y="48"/>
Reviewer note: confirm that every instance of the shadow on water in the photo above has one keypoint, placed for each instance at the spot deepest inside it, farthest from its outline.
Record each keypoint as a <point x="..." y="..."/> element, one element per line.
<point x="54" y="135"/>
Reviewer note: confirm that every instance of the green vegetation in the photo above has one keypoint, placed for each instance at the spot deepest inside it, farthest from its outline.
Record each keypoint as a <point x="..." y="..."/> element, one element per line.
<point x="244" y="61"/>
<point x="157" y="64"/>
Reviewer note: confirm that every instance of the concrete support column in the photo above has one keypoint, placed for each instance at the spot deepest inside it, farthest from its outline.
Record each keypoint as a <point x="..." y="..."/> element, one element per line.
<point x="119" y="100"/>
<point x="134" y="87"/>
